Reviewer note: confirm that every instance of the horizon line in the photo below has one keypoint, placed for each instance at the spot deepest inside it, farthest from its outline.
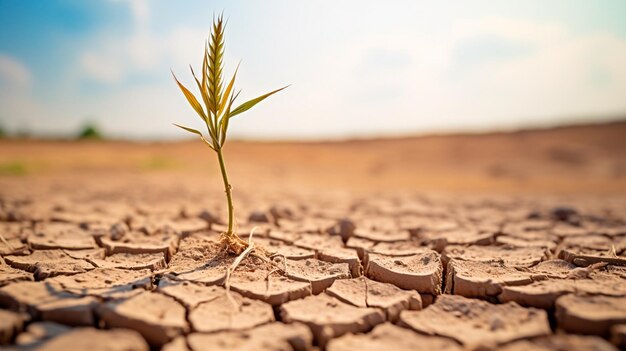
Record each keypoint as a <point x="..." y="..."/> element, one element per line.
<point x="362" y="137"/>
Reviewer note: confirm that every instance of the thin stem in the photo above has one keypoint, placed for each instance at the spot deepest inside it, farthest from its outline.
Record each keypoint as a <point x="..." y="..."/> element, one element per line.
<point x="228" y="190"/>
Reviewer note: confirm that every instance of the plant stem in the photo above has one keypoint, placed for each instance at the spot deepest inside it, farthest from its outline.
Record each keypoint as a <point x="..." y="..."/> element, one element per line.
<point x="228" y="190"/>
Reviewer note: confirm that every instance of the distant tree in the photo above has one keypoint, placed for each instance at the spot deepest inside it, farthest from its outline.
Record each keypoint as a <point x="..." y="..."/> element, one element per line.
<point x="23" y="133"/>
<point x="2" y="133"/>
<point x="89" y="131"/>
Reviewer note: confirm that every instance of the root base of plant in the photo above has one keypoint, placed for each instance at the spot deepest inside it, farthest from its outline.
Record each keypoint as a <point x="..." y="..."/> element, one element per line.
<point x="233" y="244"/>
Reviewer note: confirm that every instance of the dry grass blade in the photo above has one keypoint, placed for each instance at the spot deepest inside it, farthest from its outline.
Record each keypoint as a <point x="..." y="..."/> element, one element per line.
<point x="228" y="90"/>
<point x="190" y="130"/>
<point x="224" y="121"/>
<point x="267" y="281"/>
<point x="194" y="131"/>
<point x="191" y="99"/>
<point x="205" y="99"/>
<point x="236" y="264"/>
<point x="250" y="104"/>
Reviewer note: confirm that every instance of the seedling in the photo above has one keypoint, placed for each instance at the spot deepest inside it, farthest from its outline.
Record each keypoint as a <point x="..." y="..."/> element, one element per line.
<point x="216" y="114"/>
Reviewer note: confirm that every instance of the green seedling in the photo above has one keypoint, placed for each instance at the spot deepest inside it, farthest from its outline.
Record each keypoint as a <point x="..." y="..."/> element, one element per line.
<point x="216" y="114"/>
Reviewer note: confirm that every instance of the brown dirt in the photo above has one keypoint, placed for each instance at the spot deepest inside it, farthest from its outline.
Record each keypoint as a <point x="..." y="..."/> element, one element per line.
<point x="318" y="273"/>
<point x="328" y="317"/>
<point x="420" y="272"/>
<point x="475" y="323"/>
<point x="268" y="337"/>
<point x="363" y="292"/>
<point x="354" y="252"/>
<point x="11" y="323"/>
<point x="561" y="342"/>
<point x="221" y="314"/>
<point x="590" y="314"/>
<point x="96" y="339"/>
<point x="37" y="333"/>
<point x="158" y="318"/>
<point x="390" y="337"/>
<point x="582" y="159"/>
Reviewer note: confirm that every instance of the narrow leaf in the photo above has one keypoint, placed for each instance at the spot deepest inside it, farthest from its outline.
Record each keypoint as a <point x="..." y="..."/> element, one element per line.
<point x="204" y="96"/>
<point x="207" y="102"/>
<point x="194" y="131"/>
<point x="226" y="94"/>
<point x="226" y="118"/>
<point x="191" y="99"/>
<point x="249" y="104"/>
<point x="190" y="130"/>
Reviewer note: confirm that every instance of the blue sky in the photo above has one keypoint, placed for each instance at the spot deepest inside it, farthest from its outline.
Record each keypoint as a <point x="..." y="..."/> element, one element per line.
<point x="357" y="68"/>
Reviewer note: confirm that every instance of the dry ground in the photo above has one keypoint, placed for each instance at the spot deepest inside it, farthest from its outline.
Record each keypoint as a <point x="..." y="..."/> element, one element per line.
<point x="572" y="160"/>
<point x="501" y="241"/>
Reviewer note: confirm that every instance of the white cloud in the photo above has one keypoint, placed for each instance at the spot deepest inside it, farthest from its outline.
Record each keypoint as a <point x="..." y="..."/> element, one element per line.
<point x="101" y="66"/>
<point x="355" y="91"/>
<point x="141" y="51"/>
<point x="565" y="75"/>
<point x="17" y="106"/>
<point x="538" y="33"/>
<point x="13" y="73"/>
<point x="141" y="12"/>
<point x="111" y="61"/>
<point x="553" y="80"/>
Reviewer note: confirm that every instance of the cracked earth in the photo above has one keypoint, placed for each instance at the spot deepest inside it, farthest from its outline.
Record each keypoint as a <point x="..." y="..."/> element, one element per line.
<point x="127" y="265"/>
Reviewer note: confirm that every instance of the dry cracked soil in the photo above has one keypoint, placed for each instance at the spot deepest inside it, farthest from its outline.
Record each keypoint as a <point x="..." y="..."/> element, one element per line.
<point x="135" y="265"/>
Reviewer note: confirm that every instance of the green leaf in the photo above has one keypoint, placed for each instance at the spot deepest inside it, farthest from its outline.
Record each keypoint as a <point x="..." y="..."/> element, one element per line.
<point x="190" y="130"/>
<point x="249" y="104"/>
<point x="226" y="94"/>
<point x="205" y="97"/>
<point x="207" y="102"/>
<point x="191" y="99"/>
<point x="226" y="118"/>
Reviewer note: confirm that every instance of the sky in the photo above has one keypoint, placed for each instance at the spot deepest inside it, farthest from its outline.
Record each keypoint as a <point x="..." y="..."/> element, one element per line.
<point x="357" y="68"/>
